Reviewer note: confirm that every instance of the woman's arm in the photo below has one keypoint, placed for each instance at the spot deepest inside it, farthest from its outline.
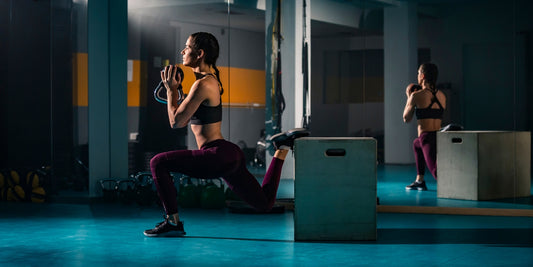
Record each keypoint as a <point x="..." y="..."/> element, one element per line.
<point x="180" y="111"/>
<point x="409" y="108"/>
<point x="179" y="115"/>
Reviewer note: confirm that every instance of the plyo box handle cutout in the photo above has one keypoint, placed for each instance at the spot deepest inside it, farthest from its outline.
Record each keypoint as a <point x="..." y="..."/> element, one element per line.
<point x="335" y="152"/>
<point x="457" y="140"/>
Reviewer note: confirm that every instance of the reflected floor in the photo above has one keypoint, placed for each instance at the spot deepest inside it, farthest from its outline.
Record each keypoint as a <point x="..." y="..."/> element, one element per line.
<point x="392" y="180"/>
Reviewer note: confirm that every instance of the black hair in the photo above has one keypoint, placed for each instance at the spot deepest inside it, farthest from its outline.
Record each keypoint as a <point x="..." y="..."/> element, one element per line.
<point x="208" y="43"/>
<point x="431" y="73"/>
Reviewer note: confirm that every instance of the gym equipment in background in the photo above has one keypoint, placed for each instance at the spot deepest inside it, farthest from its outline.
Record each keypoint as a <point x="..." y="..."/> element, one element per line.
<point x="212" y="196"/>
<point x="189" y="192"/>
<point x="109" y="189"/>
<point x="126" y="190"/>
<point x="145" y="194"/>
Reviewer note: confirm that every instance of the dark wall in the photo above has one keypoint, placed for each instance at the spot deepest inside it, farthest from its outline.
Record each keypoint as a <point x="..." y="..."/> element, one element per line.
<point x="26" y="131"/>
<point x="36" y="84"/>
<point x="4" y="41"/>
<point x="61" y="40"/>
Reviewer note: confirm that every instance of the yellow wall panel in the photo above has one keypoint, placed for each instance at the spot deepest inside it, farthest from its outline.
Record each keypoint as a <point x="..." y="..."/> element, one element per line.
<point x="242" y="87"/>
<point x="80" y="80"/>
<point x="134" y="86"/>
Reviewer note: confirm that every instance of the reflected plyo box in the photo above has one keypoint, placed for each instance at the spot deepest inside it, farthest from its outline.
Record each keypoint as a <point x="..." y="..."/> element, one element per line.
<point x="335" y="188"/>
<point x="483" y="165"/>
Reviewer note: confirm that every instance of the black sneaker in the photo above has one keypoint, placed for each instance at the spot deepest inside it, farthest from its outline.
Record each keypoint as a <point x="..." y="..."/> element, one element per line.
<point x="166" y="229"/>
<point x="417" y="186"/>
<point x="287" y="138"/>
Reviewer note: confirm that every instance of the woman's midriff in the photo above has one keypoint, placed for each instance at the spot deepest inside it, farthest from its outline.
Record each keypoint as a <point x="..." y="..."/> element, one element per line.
<point x="206" y="133"/>
<point x="429" y="125"/>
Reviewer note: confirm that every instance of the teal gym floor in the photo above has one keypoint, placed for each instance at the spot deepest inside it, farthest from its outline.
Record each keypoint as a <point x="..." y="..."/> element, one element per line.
<point x="110" y="234"/>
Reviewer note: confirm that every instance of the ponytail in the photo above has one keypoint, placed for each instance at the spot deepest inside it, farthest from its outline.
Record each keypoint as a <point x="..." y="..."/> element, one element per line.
<point x="431" y="73"/>
<point x="217" y="74"/>
<point x="432" y="86"/>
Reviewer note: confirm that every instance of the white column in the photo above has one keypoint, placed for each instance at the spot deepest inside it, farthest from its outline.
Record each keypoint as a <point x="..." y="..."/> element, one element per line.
<point x="107" y="49"/>
<point x="400" y="54"/>
<point x="292" y="31"/>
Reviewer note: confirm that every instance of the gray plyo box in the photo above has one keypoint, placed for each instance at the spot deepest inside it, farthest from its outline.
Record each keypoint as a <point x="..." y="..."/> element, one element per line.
<point x="483" y="165"/>
<point x="335" y="189"/>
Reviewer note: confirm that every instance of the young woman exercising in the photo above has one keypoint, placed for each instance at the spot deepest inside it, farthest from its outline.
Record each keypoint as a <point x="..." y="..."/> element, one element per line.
<point x="216" y="157"/>
<point x="428" y="104"/>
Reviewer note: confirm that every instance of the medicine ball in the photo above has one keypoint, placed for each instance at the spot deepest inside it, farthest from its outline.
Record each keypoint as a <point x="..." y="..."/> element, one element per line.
<point x="13" y="178"/>
<point x="33" y="179"/>
<point x="2" y="180"/>
<point x="16" y="194"/>
<point x="3" y="194"/>
<point x="38" y="195"/>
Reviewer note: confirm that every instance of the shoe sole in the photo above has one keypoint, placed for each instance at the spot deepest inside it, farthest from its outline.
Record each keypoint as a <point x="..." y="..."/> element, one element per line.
<point x="296" y="133"/>
<point x="419" y="189"/>
<point x="288" y="136"/>
<point x="278" y="137"/>
<point x="167" y="234"/>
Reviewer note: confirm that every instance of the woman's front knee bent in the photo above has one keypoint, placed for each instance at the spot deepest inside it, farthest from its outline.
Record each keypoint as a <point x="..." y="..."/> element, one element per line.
<point x="156" y="162"/>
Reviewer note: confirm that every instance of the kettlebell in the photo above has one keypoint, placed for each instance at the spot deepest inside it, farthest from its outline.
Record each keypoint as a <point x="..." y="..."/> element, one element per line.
<point x="145" y="195"/>
<point x="109" y="189"/>
<point x="126" y="190"/>
<point x="188" y="196"/>
<point x="230" y="195"/>
<point x="213" y="196"/>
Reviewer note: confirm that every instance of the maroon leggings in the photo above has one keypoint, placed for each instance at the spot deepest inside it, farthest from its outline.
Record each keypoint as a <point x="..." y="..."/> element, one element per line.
<point x="215" y="159"/>
<point x="425" y="148"/>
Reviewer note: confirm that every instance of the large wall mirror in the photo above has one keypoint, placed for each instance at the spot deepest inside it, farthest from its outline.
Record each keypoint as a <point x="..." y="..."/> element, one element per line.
<point x="483" y="50"/>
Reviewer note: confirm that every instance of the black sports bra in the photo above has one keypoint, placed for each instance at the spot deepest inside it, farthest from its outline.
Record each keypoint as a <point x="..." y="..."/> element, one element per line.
<point x="430" y="113"/>
<point x="207" y="114"/>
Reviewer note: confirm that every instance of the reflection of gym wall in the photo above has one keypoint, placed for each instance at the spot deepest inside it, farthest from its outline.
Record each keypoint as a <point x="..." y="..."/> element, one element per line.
<point x="151" y="45"/>
<point x="347" y="84"/>
<point x="473" y="47"/>
<point x="476" y="50"/>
